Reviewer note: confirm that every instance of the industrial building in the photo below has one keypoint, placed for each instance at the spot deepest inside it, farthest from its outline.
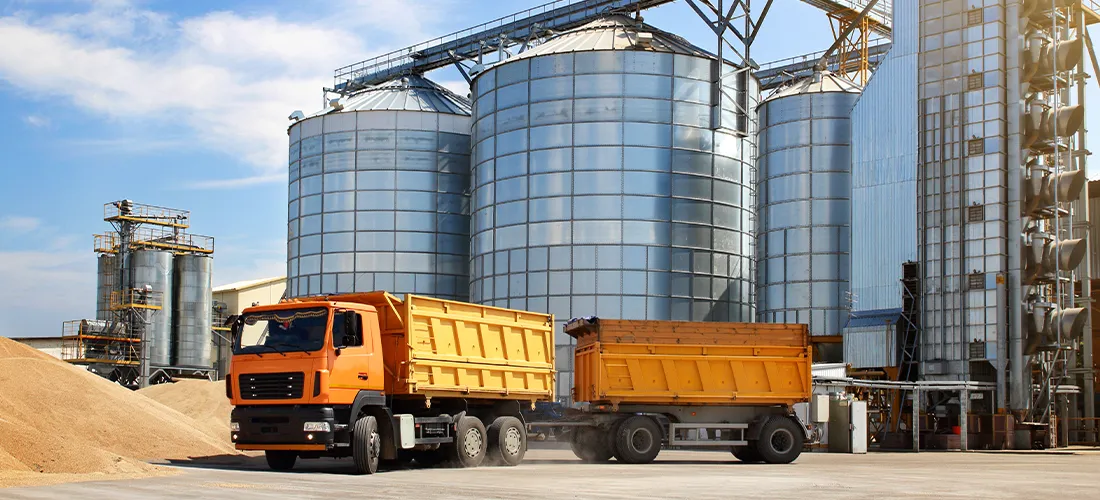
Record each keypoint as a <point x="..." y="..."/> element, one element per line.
<point x="914" y="193"/>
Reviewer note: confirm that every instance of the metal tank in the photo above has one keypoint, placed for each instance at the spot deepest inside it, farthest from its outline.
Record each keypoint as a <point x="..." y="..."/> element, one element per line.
<point x="604" y="186"/>
<point x="193" y="311"/>
<point x="805" y="204"/>
<point x="153" y="269"/>
<point x="378" y="195"/>
<point x="106" y="283"/>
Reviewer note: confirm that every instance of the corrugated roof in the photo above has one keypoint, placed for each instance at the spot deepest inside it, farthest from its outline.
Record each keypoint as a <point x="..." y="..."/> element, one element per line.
<point x="616" y="32"/>
<point x="407" y="93"/>
<point x="823" y="82"/>
<point x="875" y="317"/>
<point x="241" y="285"/>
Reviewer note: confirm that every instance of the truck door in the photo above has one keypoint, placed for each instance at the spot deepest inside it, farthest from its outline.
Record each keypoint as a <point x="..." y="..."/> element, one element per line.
<point x="358" y="364"/>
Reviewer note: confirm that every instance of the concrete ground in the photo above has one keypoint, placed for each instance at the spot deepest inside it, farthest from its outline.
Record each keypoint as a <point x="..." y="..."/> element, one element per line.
<point x="556" y="474"/>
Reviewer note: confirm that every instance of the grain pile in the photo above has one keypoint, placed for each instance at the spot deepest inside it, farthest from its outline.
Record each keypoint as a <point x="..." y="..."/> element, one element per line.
<point x="202" y="400"/>
<point x="59" y="419"/>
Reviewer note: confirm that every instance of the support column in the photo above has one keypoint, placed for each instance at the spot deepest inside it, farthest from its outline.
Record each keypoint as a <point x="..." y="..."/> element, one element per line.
<point x="964" y="412"/>
<point x="916" y="420"/>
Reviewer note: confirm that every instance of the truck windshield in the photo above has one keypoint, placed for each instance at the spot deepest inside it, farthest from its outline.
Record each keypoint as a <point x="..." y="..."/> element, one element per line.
<point x="292" y="330"/>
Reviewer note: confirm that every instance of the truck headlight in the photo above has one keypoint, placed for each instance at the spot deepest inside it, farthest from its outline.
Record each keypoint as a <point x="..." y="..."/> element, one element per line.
<point x="235" y="426"/>
<point x="316" y="427"/>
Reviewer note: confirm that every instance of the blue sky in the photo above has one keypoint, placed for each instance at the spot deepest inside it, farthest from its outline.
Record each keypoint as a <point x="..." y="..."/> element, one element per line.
<point x="184" y="104"/>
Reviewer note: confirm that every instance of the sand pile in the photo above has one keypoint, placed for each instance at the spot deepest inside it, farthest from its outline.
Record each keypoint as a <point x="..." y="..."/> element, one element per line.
<point x="202" y="400"/>
<point x="56" y="418"/>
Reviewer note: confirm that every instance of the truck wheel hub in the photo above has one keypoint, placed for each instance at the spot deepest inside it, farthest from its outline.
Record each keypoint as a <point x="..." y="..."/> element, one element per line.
<point x="512" y="440"/>
<point x="782" y="441"/>
<point x="471" y="443"/>
<point x="641" y="440"/>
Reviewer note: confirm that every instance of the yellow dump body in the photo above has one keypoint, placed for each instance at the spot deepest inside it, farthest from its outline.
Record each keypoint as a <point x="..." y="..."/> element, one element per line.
<point x="441" y="348"/>
<point x="690" y="363"/>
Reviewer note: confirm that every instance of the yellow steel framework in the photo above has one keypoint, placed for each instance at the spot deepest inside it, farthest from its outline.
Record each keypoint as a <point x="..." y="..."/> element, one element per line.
<point x="156" y="238"/>
<point x="139" y="213"/>
<point x="86" y="342"/>
<point x="852" y="56"/>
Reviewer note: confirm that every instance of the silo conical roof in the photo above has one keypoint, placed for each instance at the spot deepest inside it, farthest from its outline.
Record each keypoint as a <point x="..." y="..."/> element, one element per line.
<point x="615" y="32"/>
<point x="406" y="93"/>
<point x="825" y="81"/>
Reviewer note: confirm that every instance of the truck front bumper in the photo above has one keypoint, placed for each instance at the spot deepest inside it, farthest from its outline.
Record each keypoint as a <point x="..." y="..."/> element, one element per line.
<point x="282" y="427"/>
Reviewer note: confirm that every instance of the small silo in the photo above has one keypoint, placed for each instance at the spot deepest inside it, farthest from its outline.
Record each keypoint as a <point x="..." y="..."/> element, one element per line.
<point x="804" y="203"/>
<point x="107" y="272"/>
<point x="378" y="193"/>
<point x="153" y="269"/>
<point x="193" y="310"/>
<point x="605" y="184"/>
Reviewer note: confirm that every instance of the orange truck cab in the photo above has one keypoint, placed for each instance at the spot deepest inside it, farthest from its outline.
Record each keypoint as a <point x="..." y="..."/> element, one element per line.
<point x="370" y="376"/>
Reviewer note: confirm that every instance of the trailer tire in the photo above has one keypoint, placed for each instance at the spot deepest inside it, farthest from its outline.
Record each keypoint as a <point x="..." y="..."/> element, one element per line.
<point x="747" y="454"/>
<point x="507" y="441"/>
<point x="366" y="445"/>
<point x="590" y="445"/>
<point x="281" y="460"/>
<point x="638" y="440"/>
<point x="470" y="444"/>
<point x="780" y="441"/>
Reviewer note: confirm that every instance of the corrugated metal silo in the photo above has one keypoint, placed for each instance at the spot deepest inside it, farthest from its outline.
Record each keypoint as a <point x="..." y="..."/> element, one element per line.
<point x="106" y="282"/>
<point x="153" y="268"/>
<point x="193" y="311"/>
<point x="805" y="203"/>
<point x="602" y="185"/>
<point x="378" y="193"/>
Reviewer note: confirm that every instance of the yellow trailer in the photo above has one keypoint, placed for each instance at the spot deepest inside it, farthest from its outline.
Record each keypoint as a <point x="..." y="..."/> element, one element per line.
<point x="643" y="385"/>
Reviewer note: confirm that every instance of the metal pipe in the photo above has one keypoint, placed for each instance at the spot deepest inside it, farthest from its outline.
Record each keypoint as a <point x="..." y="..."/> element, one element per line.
<point x="1019" y="388"/>
<point x="1086" y="266"/>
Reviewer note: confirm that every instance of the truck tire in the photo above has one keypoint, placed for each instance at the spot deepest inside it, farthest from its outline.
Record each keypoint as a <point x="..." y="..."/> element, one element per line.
<point x="366" y="445"/>
<point x="638" y="440"/>
<point x="780" y="441"/>
<point x="747" y="454"/>
<point x="507" y="441"/>
<point x="470" y="443"/>
<point x="590" y="445"/>
<point x="281" y="460"/>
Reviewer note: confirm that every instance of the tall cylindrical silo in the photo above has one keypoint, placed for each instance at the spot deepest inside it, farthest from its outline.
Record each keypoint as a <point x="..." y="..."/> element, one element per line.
<point x="193" y="310"/>
<point x="106" y="283"/>
<point x="153" y="269"/>
<point x="805" y="195"/>
<point x="603" y="184"/>
<point x="378" y="193"/>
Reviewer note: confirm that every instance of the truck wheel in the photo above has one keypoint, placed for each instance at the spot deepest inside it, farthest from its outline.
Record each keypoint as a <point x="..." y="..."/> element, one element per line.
<point x="366" y="445"/>
<point x="638" y="440"/>
<point x="507" y="441"/>
<point x="470" y="443"/>
<point x="747" y="454"/>
<point x="780" y="441"/>
<point x="281" y="459"/>
<point x="590" y="445"/>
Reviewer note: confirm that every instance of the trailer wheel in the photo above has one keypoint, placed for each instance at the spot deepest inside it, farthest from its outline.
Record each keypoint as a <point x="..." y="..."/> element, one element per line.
<point x="281" y="460"/>
<point x="590" y="445"/>
<point x="747" y="454"/>
<point x="638" y="440"/>
<point x="780" y="441"/>
<point x="507" y="441"/>
<point x="366" y="445"/>
<point x="470" y="443"/>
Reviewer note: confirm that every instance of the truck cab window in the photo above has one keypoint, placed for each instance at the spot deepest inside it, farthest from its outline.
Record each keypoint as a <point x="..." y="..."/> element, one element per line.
<point x="344" y="336"/>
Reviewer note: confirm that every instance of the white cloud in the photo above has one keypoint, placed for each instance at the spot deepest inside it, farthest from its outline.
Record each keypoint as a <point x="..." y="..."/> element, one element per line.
<point x="230" y="78"/>
<point x="37" y="121"/>
<point x="19" y="224"/>
<point x="238" y="182"/>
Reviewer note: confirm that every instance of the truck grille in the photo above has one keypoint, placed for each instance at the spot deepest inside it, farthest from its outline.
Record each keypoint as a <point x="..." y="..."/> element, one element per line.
<point x="271" y="385"/>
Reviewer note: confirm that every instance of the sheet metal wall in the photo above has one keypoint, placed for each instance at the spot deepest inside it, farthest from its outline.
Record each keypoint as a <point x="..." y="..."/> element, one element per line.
<point x="805" y="210"/>
<point x="377" y="203"/>
<point x="154" y="269"/>
<point x="193" y="314"/>
<point x="884" y="170"/>
<point x="600" y="190"/>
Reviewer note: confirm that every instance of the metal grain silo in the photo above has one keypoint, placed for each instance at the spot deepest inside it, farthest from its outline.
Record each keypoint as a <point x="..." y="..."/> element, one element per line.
<point x="378" y="193"/>
<point x="153" y="269"/>
<point x="604" y="186"/>
<point x="193" y="310"/>
<point x="805" y="195"/>
<point x="106" y="282"/>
